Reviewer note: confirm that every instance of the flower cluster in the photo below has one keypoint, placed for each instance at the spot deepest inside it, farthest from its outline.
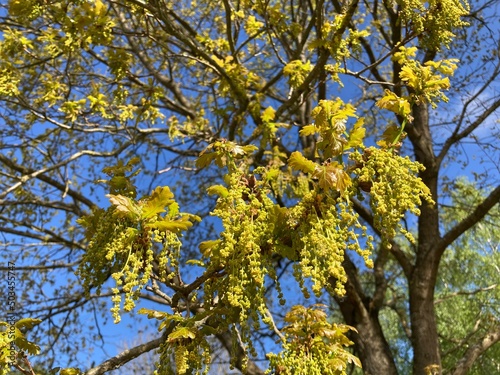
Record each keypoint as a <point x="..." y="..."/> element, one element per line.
<point x="323" y="228"/>
<point x="394" y="188"/>
<point x="243" y="250"/>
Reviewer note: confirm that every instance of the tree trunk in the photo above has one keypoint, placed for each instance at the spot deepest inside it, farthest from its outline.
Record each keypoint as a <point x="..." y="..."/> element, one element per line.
<point x="370" y="344"/>
<point x="427" y="359"/>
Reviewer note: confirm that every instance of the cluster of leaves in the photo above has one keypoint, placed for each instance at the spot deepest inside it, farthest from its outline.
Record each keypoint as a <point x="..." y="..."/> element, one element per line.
<point x="122" y="237"/>
<point x="433" y="21"/>
<point x="315" y="232"/>
<point x="425" y="83"/>
<point x="14" y="346"/>
<point x="313" y="346"/>
<point x="186" y="347"/>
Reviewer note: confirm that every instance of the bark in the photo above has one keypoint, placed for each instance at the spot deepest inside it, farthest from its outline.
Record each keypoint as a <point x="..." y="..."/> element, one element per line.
<point x="226" y="339"/>
<point x="463" y="365"/>
<point x="370" y="344"/>
<point x="124" y="357"/>
<point x="425" y="339"/>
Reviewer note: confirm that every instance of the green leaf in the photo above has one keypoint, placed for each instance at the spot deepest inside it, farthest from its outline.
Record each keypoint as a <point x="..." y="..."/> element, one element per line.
<point x="207" y="246"/>
<point x="124" y="205"/>
<point x="160" y="198"/>
<point x="196" y="262"/>
<point x="27" y="346"/>
<point x="70" y="371"/>
<point x="27" y="324"/>
<point x="181" y="333"/>
<point x="208" y="330"/>
<point x="390" y="135"/>
<point x="356" y="135"/>
<point x="332" y="176"/>
<point x="309" y="130"/>
<point x="268" y="114"/>
<point x="396" y="104"/>
<point x="299" y="162"/>
<point x="153" y="314"/>
<point x="204" y="160"/>
<point x="219" y="190"/>
<point x="271" y="174"/>
<point x="244" y="150"/>
<point x="174" y="226"/>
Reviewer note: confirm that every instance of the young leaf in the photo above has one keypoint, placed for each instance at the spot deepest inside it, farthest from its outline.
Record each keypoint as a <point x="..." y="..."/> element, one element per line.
<point x="27" y="323"/>
<point x="219" y="190"/>
<point x="174" y="226"/>
<point x="356" y="135"/>
<point x="26" y="345"/>
<point x="204" y="160"/>
<point x="309" y="130"/>
<point x="207" y="246"/>
<point x="153" y="314"/>
<point x="182" y="333"/>
<point x="160" y="198"/>
<point x="124" y="205"/>
<point x="300" y="162"/>
<point x="268" y="114"/>
<point x="390" y="135"/>
<point x="70" y="371"/>
<point x="333" y="176"/>
<point x="392" y="102"/>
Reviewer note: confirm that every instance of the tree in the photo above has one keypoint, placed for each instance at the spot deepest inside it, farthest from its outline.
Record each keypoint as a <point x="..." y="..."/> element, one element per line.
<point x="119" y="116"/>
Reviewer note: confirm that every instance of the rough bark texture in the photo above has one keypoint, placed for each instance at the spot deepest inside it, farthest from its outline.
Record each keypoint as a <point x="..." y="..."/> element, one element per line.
<point x="371" y="346"/>
<point x="474" y="351"/>
<point x="423" y="279"/>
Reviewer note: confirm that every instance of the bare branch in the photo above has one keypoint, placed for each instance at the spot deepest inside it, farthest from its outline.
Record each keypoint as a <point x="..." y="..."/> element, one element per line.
<point x="125" y="356"/>
<point x="58" y="185"/>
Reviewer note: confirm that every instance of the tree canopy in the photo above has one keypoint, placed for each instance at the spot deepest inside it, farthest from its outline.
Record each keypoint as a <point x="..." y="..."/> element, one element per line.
<point x="275" y="181"/>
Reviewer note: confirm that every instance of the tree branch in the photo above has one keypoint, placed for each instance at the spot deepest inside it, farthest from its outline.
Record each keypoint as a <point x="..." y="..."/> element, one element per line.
<point x="475" y="351"/>
<point x="58" y="185"/>
<point x="474" y="217"/>
<point x="124" y="357"/>
<point x="464" y="293"/>
<point x="226" y="340"/>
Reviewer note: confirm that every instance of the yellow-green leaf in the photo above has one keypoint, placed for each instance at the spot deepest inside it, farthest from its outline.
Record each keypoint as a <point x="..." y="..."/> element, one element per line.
<point x="332" y="176"/>
<point x="153" y="314"/>
<point x="219" y="190"/>
<point x="207" y="246"/>
<point x="309" y="130"/>
<point x="356" y="135"/>
<point x="160" y="198"/>
<point x="182" y="333"/>
<point x="124" y="204"/>
<point x="174" y="226"/>
<point x="27" y="323"/>
<point x="394" y="103"/>
<point x="205" y="159"/>
<point x="268" y="114"/>
<point x="26" y="345"/>
<point x="299" y="162"/>
<point x="70" y="371"/>
<point x="389" y="136"/>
